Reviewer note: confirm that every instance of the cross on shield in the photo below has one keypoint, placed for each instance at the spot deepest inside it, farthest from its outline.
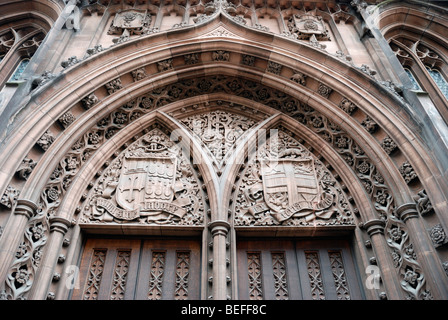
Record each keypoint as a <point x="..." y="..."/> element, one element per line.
<point x="146" y="179"/>
<point x="290" y="187"/>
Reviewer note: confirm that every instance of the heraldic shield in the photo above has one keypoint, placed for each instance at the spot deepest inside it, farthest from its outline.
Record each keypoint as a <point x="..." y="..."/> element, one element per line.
<point x="145" y="181"/>
<point x="291" y="187"/>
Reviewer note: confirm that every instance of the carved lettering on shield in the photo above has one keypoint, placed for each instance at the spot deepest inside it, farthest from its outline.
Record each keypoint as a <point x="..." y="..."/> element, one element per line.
<point x="291" y="188"/>
<point x="145" y="188"/>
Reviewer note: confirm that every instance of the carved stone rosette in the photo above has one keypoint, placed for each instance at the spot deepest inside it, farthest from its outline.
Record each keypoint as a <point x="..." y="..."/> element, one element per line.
<point x="150" y="182"/>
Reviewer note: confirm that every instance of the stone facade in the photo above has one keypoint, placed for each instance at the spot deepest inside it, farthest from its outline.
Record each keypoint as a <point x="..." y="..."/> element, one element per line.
<point x="225" y="122"/>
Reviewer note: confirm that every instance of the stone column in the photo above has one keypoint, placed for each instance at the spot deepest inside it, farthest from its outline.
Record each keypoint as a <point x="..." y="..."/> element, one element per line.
<point x="13" y="234"/>
<point x="434" y="273"/>
<point x="58" y="228"/>
<point x="390" y="280"/>
<point x="219" y="230"/>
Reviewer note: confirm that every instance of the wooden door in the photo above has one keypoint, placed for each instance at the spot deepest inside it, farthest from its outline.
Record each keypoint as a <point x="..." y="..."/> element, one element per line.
<point x="296" y="269"/>
<point x="123" y="269"/>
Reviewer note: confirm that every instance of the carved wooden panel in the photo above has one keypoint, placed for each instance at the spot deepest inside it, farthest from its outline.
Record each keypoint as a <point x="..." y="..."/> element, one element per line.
<point x="117" y="269"/>
<point x="289" y="269"/>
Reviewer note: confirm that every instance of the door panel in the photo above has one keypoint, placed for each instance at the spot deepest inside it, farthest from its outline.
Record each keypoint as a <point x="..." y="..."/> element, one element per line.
<point x="117" y="269"/>
<point x="293" y="269"/>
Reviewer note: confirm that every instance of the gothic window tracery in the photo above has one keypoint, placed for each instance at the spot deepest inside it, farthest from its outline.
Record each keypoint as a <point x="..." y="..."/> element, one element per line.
<point x="439" y="79"/>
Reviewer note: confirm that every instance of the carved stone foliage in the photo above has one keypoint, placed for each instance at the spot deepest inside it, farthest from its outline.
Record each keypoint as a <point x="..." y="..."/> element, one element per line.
<point x="27" y="259"/>
<point x="405" y="259"/>
<point x="151" y="182"/>
<point x="9" y="197"/>
<point x="407" y="172"/>
<point x="285" y="184"/>
<point x="306" y="25"/>
<point x="45" y="140"/>
<point x="218" y="131"/>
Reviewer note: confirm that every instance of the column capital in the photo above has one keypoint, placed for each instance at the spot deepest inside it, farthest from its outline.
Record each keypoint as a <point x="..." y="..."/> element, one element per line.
<point x="59" y="224"/>
<point x="26" y="207"/>
<point x="407" y="211"/>
<point x="219" y="227"/>
<point x="374" y="226"/>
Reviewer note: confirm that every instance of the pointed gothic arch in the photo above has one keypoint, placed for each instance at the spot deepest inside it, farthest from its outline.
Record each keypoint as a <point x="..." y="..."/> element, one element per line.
<point x="298" y="92"/>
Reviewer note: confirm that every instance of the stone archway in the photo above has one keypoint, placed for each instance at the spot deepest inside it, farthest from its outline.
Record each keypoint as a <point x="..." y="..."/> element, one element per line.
<point x="124" y="98"/>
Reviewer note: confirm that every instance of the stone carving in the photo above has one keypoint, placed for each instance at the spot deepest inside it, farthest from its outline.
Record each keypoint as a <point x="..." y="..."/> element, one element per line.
<point x="274" y="67"/>
<point x="248" y="60"/>
<point x="324" y="90"/>
<point x="424" y="205"/>
<point x="150" y="182"/>
<point x="218" y="131"/>
<point x="407" y="172"/>
<point x="130" y="22"/>
<point x="389" y="145"/>
<point x="165" y="65"/>
<point x="369" y="124"/>
<point x="89" y="101"/>
<point x="27" y="259"/>
<point x="307" y="25"/>
<point x="70" y="62"/>
<point x="46" y="77"/>
<point x="192" y="58"/>
<point x="438" y="235"/>
<point x="221" y="55"/>
<point x="67" y="119"/>
<point x="405" y="259"/>
<point x="139" y="74"/>
<point x="348" y="106"/>
<point x="286" y="185"/>
<point x="316" y="44"/>
<point x="92" y="51"/>
<point x="113" y="86"/>
<point x="45" y="140"/>
<point x="9" y="197"/>
<point x="26" y="167"/>
<point x="299" y="78"/>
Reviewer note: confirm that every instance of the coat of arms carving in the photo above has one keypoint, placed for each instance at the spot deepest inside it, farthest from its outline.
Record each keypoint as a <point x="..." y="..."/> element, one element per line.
<point x="150" y="182"/>
<point x="291" y="188"/>
<point x="129" y="22"/>
<point x="307" y="25"/>
<point x="286" y="185"/>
